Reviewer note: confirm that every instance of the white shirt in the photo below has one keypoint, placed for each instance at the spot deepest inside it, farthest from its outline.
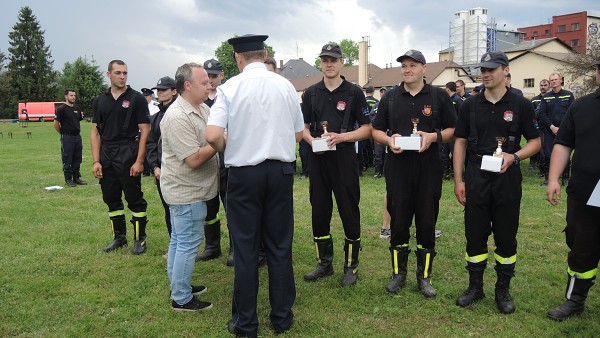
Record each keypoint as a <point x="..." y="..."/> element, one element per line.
<point x="261" y="113"/>
<point x="153" y="107"/>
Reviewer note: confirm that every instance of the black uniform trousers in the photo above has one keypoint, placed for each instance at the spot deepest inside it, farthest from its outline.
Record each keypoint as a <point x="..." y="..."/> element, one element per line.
<point x="414" y="186"/>
<point x="166" y="207"/>
<point x="260" y="208"/>
<point x="71" y="149"/>
<point x="304" y="151"/>
<point x="547" y="145"/>
<point x="582" y="235"/>
<point x="335" y="171"/>
<point x="492" y="206"/>
<point x="116" y="160"/>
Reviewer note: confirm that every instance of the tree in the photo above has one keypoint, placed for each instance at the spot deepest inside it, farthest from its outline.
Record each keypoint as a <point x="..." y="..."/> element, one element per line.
<point x="32" y="77"/>
<point x="86" y="78"/>
<point x="5" y="93"/>
<point x="349" y="51"/>
<point x="579" y="68"/>
<point x="224" y="54"/>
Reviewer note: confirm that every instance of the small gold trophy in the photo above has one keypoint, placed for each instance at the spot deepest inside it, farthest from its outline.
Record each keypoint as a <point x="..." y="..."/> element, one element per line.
<point x="498" y="152"/>
<point x="414" y="131"/>
<point x="324" y="124"/>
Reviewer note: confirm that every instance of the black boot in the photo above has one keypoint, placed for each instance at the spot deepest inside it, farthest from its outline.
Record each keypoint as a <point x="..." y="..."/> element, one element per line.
<point x="351" y="248"/>
<point x="324" y="268"/>
<point x="69" y="179"/>
<point x="212" y="242"/>
<point x="576" y="294"/>
<point x="77" y="178"/>
<point x="504" y="301"/>
<point x="139" y="234"/>
<point x="399" y="262"/>
<point x="230" y="254"/>
<point x="424" y="264"/>
<point x="119" y="233"/>
<point x="475" y="290"/>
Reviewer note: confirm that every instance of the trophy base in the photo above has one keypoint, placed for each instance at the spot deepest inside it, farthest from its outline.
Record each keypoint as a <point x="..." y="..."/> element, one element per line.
<point x="491" y="163"/>
<point x="408" y="142"/>
<point x="319" y="145"/>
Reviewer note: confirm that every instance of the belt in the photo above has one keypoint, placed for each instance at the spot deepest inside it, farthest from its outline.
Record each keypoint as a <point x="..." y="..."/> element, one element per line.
<point x="71" y="134"/>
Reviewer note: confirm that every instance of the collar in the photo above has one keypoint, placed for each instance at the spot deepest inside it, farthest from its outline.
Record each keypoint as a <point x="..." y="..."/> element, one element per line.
<point x="403" y="90"/>
<point x="255" y="65"/>
<point x="321" y="84"/>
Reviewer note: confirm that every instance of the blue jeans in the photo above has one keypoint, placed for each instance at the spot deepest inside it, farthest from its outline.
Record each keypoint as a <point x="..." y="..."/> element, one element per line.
<point x="187" y="234"/>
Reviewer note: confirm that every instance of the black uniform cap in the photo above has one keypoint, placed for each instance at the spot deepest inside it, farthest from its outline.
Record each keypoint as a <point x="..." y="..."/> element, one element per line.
<point x="248" y="42"/>
<point x="165" y="82"/>
<point x="147" y="92"/>
<point x="213" y="66"/>
<point x="412" y="54"/>
<point x="493" y="60"/>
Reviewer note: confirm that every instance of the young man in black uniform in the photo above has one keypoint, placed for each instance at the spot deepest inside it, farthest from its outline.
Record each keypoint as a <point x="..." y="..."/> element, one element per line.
<point x="331" y="108"/>
<point x="120" y="129"/>
<point x="212" y="224"/>
<point x="413" y="178"/>
<point x="536" y="160"/>
<point x="167" y="93"/>
<point x="66" y="123"/>
<point x="492" y="199"/>
<point x="551" y="112"/>
<point x="578" y="130"/>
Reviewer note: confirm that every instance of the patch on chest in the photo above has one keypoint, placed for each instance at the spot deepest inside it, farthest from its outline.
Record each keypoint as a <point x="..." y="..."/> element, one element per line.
<point x="427" y="110"/>
<point x="508" y="116"/>
<point x="125" y="104"/>
<point x="341" y="105"/>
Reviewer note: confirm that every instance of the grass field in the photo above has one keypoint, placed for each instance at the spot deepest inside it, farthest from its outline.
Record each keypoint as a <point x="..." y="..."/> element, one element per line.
<point x="55" y="281"/>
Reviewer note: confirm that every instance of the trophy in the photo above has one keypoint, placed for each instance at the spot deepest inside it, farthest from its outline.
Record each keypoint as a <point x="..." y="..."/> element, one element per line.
<point x="493" y="163"/>
<point x="412" y="142"/>
<point x="319" y="145"/>
<point x="414" y="131"/>
<point x="324" y="124"/>
<point x="498" y="152"/>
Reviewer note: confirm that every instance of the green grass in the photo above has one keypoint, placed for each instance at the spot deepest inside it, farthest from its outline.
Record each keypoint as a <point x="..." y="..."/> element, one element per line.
<point x="55" y="281"/>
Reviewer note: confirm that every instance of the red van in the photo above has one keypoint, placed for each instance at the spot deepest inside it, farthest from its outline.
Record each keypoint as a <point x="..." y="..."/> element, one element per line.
<point x="38" y="111"/>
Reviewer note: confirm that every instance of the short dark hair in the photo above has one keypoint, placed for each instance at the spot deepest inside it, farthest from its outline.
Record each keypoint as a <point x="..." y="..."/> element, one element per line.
<point x="451" y="85"/>
<point x="119" y="62"/>
<point x="462" y="83"/>
<point x="69" y="90"/>
<point x="271" y="61"/>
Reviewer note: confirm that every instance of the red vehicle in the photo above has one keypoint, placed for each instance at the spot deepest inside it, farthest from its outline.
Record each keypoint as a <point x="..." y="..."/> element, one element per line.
<point x="38" y="111"/>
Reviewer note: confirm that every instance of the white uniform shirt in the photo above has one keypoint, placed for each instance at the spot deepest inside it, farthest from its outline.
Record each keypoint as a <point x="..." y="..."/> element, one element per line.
<point x="153" y="107"/>
<point x="261" y="113"/>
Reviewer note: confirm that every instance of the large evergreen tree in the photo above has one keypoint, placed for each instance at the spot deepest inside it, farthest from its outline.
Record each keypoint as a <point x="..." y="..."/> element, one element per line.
<point x="5" y="109"/>
<point x="224" y="54"/>
<point x="32" y="77"/>
<point x="86" y="78"/>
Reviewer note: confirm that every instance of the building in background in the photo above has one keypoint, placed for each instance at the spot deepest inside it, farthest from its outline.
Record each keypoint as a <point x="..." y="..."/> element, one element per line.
<point x="573" y="29"/>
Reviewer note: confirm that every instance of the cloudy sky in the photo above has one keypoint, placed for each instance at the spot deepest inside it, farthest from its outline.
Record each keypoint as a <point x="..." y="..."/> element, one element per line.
<point x="154" y="37"/>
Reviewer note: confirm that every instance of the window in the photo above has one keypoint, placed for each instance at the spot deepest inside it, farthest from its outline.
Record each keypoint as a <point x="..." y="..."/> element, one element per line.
<point x="535" y="34"/>
<point x="547" y="32"/>
<point x="574" y="26"/>
<point x="575" y="43"/>
<point x="561" y="29"/>
<point x="528" y="83"/>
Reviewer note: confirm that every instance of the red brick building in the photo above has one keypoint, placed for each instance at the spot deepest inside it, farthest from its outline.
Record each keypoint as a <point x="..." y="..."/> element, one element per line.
<point x="573" y="29"/>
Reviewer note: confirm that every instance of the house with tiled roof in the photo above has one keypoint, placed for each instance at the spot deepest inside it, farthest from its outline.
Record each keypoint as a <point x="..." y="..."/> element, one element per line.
<point x="437" y="74"/>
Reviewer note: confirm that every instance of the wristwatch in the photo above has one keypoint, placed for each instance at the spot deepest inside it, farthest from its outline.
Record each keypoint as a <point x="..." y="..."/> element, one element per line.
<point x="517" y="159"/>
